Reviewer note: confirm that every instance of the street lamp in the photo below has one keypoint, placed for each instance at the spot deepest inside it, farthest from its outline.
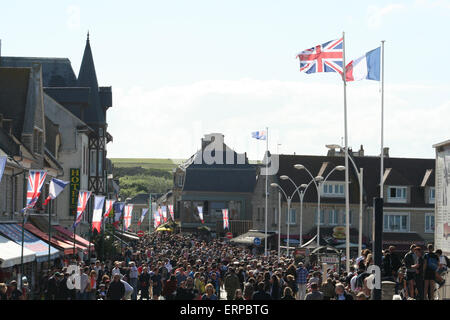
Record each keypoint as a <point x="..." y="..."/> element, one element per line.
<point x="301" y="192"/>
<point x="317" y="182"/>
<point x="359" y="174"/>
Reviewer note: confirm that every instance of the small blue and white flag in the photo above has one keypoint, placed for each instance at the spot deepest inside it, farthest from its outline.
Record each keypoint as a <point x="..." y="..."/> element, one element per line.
<point x="55" y="188"/>
<point x="2" y="166"/>
<point x="260" y="135"/>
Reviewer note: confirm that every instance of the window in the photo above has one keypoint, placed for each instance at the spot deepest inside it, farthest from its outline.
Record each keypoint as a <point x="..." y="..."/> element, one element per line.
<point x="180" y="180"/>
<point x="333" y="189"/>
<point x="93" y="163"/>
<point x="396" y="222"/>
<point x="332" y="217"/>
<point x="397" y="194"/>
<point x="100" y="163"/>
<point x="429" y="223"/>
<point x="291" y="217"/>
<point x="322" y="217"/>
<point x="431" y="195"/>
<point x="342" y="214"/>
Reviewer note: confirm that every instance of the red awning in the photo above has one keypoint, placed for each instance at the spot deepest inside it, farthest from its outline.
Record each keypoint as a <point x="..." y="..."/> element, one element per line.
<point x="69" y="235"/>
<point x="78" y="247"/>
<point x="61" y="245"/>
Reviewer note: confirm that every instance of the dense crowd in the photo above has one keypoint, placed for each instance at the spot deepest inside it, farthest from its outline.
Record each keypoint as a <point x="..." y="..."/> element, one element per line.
<point x="186" y="267"/>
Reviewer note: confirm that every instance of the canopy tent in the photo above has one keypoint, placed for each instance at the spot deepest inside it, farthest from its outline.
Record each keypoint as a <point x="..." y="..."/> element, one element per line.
<point x="325" y="249"/>
<point x="10" y="253"/>
<point x="61" y="245"/>
<point x="40" y="248"/>
<point x="249" y="237"/>
<point x="312" y="243"/>
<point x="352" y="245"/>
<point x="126" y="235"/>
<point x="69" y="235"/>
<point x="164" y="229"/>
<point x="291" y="241"/>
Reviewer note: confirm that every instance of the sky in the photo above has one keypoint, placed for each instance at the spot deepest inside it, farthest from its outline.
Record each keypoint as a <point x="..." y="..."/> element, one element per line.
<point x="183" y="69"/>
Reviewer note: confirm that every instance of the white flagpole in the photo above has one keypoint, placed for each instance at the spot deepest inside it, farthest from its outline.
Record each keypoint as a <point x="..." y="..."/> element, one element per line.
<point x="382" y="122"/>
<point x="347" y="202"/>
<point x="267" y="164"/>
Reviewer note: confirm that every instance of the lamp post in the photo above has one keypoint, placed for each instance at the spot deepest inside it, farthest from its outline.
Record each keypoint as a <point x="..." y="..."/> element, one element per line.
<point x="301" y="192"/>
<point x="359" y="174"/>
<point x="317" y="182"/>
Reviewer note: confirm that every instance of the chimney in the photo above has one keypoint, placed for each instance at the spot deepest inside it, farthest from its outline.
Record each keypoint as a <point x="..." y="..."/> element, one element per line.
<point x="386" y="152"/>
<point x="361" y="151"/>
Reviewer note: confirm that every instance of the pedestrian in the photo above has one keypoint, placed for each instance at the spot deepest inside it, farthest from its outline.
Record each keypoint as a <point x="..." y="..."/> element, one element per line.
<point x="302" y="274"/>
<point x="15" y="294"/>
<point x="315" y="294"/>
<point x="430" y="267"/>
<point x="116" y="290"/>
<point x="134" y="279"/>
<point x="209" y="294"/>
<point x="288" y="294"/>
<point x="261" y="294"/>
<point x="341" y="294"/>
<point x="409" y="261"/>
<point x="231" y="284"/>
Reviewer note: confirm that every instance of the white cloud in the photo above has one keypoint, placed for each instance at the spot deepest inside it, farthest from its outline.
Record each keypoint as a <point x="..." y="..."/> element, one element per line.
<point x="74" y="17"/>
<point x="169" y="122"/>
<point x="445" y="4"/>
<point x="376" y="14"/>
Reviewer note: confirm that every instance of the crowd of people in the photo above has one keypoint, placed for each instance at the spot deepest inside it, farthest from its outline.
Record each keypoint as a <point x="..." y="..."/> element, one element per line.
<point x="185" y="267"/>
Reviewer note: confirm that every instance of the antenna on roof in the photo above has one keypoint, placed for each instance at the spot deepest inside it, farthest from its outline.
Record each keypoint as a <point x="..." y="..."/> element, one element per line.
<point x="88" y="35"/>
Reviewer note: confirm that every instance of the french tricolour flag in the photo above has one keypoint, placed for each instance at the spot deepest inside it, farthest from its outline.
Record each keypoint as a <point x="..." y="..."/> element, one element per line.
<point x="260" y="135"/>
<point x="55" y="188"/>
<point x="365" y="67"/>
<point x="97" y="215"/>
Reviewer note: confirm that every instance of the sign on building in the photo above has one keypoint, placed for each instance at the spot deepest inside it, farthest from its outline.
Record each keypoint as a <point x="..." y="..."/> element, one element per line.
<point x="74" y="189"/>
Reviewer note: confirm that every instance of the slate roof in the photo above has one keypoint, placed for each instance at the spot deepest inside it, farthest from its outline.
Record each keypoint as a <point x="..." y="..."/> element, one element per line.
<point x="221" y="177"/>
<point x="60" y="82"/>
<point x="56" y="72"/>
<point x="13" y="96"/>
<point x="141" y="198"/>
<point x="405" y="172"/>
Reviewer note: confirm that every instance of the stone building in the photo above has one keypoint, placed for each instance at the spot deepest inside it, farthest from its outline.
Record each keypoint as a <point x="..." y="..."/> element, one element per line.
<point x="214" y="178"/>
<point x="82" y="130"/>
<point x="408" y="199"/>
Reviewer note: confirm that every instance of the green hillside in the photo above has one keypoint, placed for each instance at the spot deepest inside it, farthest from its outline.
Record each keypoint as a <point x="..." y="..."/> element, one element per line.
<point x="143" y="175"/>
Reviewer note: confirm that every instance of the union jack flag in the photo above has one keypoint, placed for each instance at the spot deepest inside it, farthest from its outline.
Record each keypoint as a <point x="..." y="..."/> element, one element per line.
<point x="127" y="216"/>
<point x="83" y="197"/>
<point x="171" y="212"/>
<point x="327" y="57"/>
<point x="36" y="179"/>
<point x="226" y="222"/>
<point x="157" y="219"/>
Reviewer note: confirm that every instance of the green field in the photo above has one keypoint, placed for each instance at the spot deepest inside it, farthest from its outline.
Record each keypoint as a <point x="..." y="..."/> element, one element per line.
<point x="148" y="163"/>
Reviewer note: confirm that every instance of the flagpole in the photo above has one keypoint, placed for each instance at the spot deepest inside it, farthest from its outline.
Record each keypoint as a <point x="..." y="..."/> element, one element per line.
<point x="90" y="230"/>
<point x="150" y="213"/>
<point x="347" y="203"/>
<point x="49" y="231"/>
<point x="267" y="163"/>
<point x="382" y="122"/>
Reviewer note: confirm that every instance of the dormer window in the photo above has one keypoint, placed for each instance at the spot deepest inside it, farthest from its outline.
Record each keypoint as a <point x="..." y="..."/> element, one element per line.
<point x="431" y="195"/>
<point x="397" y="194"/>
<point x="333" y="189"/>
